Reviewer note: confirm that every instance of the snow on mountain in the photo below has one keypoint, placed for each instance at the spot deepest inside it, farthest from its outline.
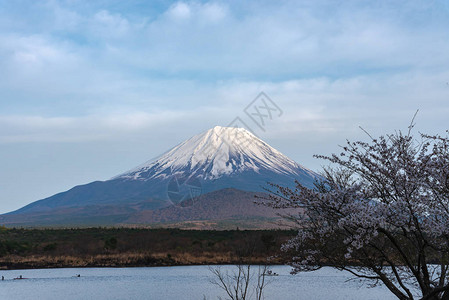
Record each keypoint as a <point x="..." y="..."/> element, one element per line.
<point x="217" y="152"/>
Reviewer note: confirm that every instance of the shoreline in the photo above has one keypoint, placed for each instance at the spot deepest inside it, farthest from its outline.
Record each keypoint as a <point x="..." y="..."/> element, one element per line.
<point x="136" y="266"/>
<point x="45" y="265"/>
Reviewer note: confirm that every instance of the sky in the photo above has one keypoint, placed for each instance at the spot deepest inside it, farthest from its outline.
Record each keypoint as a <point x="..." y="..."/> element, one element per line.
<point x="90" y="89"/>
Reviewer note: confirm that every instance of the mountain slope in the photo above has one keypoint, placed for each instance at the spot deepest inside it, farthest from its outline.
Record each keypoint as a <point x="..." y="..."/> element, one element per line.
<point x="224" y="209"/>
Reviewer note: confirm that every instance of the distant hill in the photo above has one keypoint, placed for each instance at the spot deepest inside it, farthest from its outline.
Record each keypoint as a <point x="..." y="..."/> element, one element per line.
<point x="223" y="209"/>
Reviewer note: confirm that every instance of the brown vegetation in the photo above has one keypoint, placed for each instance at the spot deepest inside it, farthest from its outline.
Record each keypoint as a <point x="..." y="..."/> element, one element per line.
<point x="101" y="247"/>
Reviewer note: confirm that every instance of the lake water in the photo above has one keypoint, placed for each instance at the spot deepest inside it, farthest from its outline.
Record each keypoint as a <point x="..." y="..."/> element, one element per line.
<point x="177" y="283"/>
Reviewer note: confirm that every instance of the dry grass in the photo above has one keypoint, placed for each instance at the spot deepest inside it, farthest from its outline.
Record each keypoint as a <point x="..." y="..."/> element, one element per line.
<point x="125" y="260"/>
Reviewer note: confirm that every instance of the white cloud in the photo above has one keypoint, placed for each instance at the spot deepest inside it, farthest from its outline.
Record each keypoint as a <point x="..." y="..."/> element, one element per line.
<point x="64" y="18"/>
<point x="317" y="106"/>
<point x="207" y="12"/>
<point x="31" y="51"/>
<point x="286" y="41"/>
<point x="22" y="128"/>
<point x="213" y="12"/>
<point x="179" y="11"/>
<point x="106" y="24"/>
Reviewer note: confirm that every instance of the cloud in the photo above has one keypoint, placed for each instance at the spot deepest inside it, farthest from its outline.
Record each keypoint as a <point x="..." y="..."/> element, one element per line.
<point x="312" y="107"/>
<point x="179" y="10"/>
<point x="218" y="42"/>
<point x="106" y="24"/>
<point x="286" y="41"/>
<point x="133" y="77"/>
<point x="209" y="12"/>
<point x="35" y="51"/>
<point x="214" y="12"/>
<point x="22" y="128"/>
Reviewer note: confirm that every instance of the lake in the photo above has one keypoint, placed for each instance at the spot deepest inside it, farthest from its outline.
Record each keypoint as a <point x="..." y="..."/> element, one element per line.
<point x="183" y="282"/>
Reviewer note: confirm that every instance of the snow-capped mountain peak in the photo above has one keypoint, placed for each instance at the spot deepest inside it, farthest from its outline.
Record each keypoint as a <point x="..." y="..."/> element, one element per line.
<point x="218" y="159"/>
<point x="214" y="153"/>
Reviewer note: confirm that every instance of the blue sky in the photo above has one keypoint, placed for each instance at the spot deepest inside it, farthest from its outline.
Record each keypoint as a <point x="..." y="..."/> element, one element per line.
<point x="89" y="89"/>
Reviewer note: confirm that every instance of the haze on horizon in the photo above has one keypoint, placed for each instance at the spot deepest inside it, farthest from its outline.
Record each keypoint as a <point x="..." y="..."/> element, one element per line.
<point x="90" y="89"/>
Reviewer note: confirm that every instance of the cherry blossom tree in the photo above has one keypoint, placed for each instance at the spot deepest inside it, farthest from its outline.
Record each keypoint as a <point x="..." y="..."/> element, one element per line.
<point x="381" y="212"/>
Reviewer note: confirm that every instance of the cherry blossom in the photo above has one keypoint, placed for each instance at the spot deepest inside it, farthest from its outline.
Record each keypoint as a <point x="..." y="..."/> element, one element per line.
<point x="381" y="212"/>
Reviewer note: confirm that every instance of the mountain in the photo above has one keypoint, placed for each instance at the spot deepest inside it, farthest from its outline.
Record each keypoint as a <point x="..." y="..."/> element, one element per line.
<point x="213" y="161"/>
